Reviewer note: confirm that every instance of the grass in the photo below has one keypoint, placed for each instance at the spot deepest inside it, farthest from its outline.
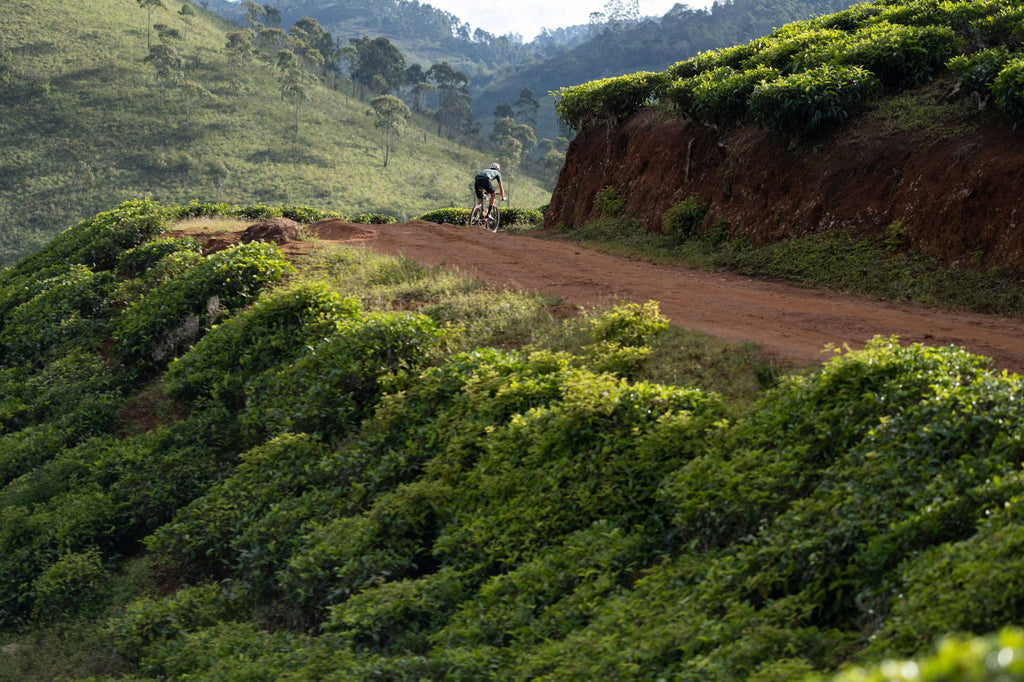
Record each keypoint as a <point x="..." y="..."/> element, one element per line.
<point x="836" y="260"/>
<point x="85" y="124"/>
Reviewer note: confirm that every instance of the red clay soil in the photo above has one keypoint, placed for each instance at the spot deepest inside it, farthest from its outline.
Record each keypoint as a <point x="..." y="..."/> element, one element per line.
<point x="791" y="324"/>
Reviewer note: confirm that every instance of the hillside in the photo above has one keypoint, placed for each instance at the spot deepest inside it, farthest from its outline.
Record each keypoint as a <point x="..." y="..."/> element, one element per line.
<point x="221" y="466"/>
<point x="86" y="122"/>
<point x="895" y="121"/>
<point x="230" y="457"/>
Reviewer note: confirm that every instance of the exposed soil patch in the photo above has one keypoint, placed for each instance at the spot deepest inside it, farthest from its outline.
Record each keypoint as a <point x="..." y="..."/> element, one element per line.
<point x="951" y="183"/>
<point x="790" y="323"/>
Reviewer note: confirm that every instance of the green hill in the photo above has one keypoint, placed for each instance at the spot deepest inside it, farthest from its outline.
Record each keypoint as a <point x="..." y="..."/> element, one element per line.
<point x="224" y="468"/>
<point x="85" y="123"/>
<point x="235" y="467"/>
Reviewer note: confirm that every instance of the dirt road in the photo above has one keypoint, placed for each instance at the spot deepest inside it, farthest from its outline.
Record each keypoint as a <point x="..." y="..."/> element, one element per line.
<point x="790" y="323"/>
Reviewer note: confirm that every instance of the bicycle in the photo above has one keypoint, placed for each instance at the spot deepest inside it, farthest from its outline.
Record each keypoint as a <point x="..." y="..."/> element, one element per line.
<point x="479" y="215"/>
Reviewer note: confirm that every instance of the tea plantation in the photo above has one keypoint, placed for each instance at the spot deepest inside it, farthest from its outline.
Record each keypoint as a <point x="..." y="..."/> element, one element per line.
<point x="225" y="467"/>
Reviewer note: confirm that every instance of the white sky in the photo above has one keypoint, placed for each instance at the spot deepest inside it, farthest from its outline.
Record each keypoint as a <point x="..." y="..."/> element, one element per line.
<point x="527" y="17"/>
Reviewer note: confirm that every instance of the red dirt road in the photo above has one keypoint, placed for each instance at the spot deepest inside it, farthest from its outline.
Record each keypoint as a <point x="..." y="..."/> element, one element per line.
<point x="790" y="323"/>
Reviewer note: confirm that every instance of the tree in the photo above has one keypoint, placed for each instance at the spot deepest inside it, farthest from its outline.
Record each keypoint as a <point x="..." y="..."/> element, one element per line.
<point x="453" y="109"/>
<point x="294" y="82"/>
<point x="191" y="93"/>
<point x="504" y="110"/>
<point x="377" y="57"/>
<point x="526" y="107"/>
<point x="503" y="128"/>
<point x="149" y="5"/>
<point x="391" y="115"/>
<point x="254" y="14"/>
<point x="239" y="47"/>
<point x="168" y="64"/>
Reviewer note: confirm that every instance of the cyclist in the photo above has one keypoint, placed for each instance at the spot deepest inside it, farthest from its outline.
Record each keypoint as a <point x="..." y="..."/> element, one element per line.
<point x="484" y="182"/>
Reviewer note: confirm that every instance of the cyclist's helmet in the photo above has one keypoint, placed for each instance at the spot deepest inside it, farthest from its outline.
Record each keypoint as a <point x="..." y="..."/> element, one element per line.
<point x="495" y="166"/>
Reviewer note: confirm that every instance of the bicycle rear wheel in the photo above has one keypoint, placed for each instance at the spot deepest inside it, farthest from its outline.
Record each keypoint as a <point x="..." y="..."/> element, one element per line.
<point x="476" y="216"/>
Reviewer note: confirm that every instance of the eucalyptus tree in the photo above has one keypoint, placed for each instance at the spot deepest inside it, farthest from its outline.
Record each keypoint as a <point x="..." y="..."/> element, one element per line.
<point x="149" y="6"/>
<point x="390" y="114"/>
<point x="169" y="66"/>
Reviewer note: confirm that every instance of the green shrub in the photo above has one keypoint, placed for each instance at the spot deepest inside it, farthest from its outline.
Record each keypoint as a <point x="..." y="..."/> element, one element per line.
<point x="307" y="214"/>
<point x="607" y="99"/>
<point x="1008" y="90"/>
<point x="195" y="209"/>
<point x="135" y="262"/>
<point x="76" y="584"/>
<point x="975" y="73"/>
<point x="451" y="216"/>
<point x="609" y="201"/>
<point x="521" y="216"/>
<point x="852" y="18"/>
<point x="997" y="657"/>
<point x="719" y="96"/>
<point x="957" y="15"/>
<point x="734" y="57"/>
<point x="788" y="51"/>
<point x="71" y="310"/>
<point x="813" y="101"/>
<point x="1006" y="27"/>
<point x="683" y="219"/>
<point x="177" y="312"/>
<point x="275" y="330"/>
<point x="596" y="452"/>
<point x="899" y="56"/>
<point x="258" y="212"/>
<point x="147" y="621"/>
<point x="374" y="219"/>
<point x="211" y="538"/>
<point x="333" y="386"/>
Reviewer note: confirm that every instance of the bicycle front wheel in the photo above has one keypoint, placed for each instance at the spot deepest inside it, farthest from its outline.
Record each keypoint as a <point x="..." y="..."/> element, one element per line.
<point x="494" y="219"/>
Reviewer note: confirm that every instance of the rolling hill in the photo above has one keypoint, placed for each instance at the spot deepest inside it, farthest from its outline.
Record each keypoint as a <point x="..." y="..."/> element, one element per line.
<point x="87" y="122"/>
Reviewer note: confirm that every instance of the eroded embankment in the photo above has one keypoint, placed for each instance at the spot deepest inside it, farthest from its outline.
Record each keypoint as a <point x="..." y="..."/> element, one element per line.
<point x="956" y="188"/>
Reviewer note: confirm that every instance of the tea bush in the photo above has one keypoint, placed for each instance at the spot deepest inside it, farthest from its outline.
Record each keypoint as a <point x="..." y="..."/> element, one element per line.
<point x="77" y="583"/>
<point x="1008" y="90"/>
<point x="683" y="218"/>
<point x="177" y="312"/>
<point x="733" y="57"/>
<point x="333" y="386"/>
<point x="511" y="215"/>
<point x="97" y="242"/>
<point x="452" y="216"/>
<point x="719" y="96"/>
<point x="135" y="262"/>
<point x="71" y="310"/>
<point x="812" y="101"/>
<point x="374" y="219"/>
<point x="276" y="329"/>
<point x="899" y="56"/>
<point x="607" y="99"/>
<point x="211" y="539"/>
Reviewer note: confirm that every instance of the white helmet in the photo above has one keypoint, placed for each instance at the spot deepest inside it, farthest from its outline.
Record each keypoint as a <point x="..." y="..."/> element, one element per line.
<point x="495" y="166"/>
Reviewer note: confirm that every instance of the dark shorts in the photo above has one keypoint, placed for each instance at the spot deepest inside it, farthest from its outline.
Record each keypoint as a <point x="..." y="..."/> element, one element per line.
<point x="482" y="185"/>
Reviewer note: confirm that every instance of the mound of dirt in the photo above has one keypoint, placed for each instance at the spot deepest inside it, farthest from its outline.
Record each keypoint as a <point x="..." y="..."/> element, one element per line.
<point x="276" y="230"/>
<point x="338" y="230"/>
<point x="949" y="187"/>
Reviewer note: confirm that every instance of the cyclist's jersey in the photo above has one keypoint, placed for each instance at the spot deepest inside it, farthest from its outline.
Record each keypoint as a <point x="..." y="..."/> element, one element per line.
<point x="487" y="177"/>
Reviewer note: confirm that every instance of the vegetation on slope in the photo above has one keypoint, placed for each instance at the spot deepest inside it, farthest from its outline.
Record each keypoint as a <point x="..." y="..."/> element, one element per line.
<point x="219" y="467"/>
<point x="88" y="121"/>
<point x="810" y="76"/>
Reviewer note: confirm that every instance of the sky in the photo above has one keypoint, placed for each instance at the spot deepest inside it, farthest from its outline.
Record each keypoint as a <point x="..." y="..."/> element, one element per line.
<point x="527" y="17"/>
